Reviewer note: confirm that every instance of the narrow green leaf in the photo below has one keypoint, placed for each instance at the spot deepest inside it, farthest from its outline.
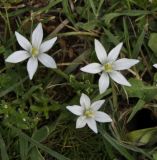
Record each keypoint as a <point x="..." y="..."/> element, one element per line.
<point x="140" y="104"/>
<point x="39" y="145"/>
<point x="4" y="154"/>
<point x="132" y="13"/>
<point x="91" y="2"/>
<point x="138" y="45"/>
<point x="68" y="12"/>
<point x="116" y="145"/>
<point x="23" y="148"/>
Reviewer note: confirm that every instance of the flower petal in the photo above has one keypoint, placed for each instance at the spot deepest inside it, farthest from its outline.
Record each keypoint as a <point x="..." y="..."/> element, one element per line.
<point x="124" y="63"/>
<point x="85" y="101"/>
<point x="102" y="117"/>
<point x="18" y="56"/>
<point x="47" y="45"/>
<point x="23" y="42"/>
<point x="81" y="122"/>
<point x="37" y="36"/>
<point x="92" y="68"/>
<point x="75" y="109"/>
<point x="32" y="66"/>
<point x="119" y="78"/>
<point x="103" y="82"/>
<point x="100" y="51"/>
<point x="114" y="53"/>
<point x="155" y="65"/>
<point x="97" y="104"/>
<point x="92" y="124"/>
<point x="47" y="60"/>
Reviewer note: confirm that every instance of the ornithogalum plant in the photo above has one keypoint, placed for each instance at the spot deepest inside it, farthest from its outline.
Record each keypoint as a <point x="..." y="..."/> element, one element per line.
<point x="34" y="51"/>
<point x="109" y="66"/>
<point x="88" y="113"/>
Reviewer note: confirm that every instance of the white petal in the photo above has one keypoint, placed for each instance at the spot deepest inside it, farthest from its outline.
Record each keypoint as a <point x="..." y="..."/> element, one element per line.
<point x="92" y="124"/>
<point x="81" y="122"/>
<point x="17" y="56"/>
<point x="119" y="78"/>
<point x="47" y="45"/>
<point x="97" y="104"/>
<point x="37" y="36"/>
<point x="32" y="66"/>
<point x="47" y="60"/>
<point x="124" y="63"/>
<point x="102" y="117"/>
<point x="155" y="65"/>
<point x="23" y="42"/>
<point x="103" y="82"/>
<point x="114" y="53"/>
<point x="85" y="101"/>
<point x="100" y="51"/>
<point x="75" y="109"/>
<point x="92" y="68"/>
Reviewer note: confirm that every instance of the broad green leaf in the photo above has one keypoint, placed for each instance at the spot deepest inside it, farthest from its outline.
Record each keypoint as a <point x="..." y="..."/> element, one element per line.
<point x="41" y="134"/>
<point x="2" y="49"/>
<point x="155" y="155"/>
<point x="54" y="107"/>
<point x="36" y="155"/>
<point x="140" y="90"/>
<point x="152" y="42"/>
<point x="87" y="26"/>
<point x="143" y="136"/>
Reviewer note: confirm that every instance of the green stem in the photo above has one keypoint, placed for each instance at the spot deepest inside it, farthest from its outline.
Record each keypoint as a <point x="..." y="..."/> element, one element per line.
<point x="114" y="97"/>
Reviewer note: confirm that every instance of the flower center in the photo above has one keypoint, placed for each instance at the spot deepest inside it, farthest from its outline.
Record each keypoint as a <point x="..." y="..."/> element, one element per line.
<point x="35" y="51"/>
<point x="108" y="67"/>
<point x="89" y="113"/>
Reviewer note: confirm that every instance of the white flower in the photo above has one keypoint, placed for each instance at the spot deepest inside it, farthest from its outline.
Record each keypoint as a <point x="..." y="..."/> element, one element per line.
<point x="109" y="66"/>
<point x="34" y="51"/>
<point x="88" y="113"/>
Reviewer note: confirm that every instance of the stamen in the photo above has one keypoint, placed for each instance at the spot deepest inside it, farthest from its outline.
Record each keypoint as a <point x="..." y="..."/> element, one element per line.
<point x="35" y="51"/>
<point x="89" y="113"/>
<point x="108" y="67"/>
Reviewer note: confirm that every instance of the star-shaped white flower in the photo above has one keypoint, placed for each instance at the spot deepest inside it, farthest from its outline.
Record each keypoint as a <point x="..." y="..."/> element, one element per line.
<point x="109" y="66"/>
<point x="34" y="51"/>
<point x="88" y="113"/>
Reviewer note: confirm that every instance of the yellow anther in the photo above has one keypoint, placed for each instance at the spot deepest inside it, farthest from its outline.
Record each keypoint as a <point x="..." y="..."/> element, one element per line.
<point x="108" y="67"/>
<point x="34" y="51"/>
<point x="89" y="113"/>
